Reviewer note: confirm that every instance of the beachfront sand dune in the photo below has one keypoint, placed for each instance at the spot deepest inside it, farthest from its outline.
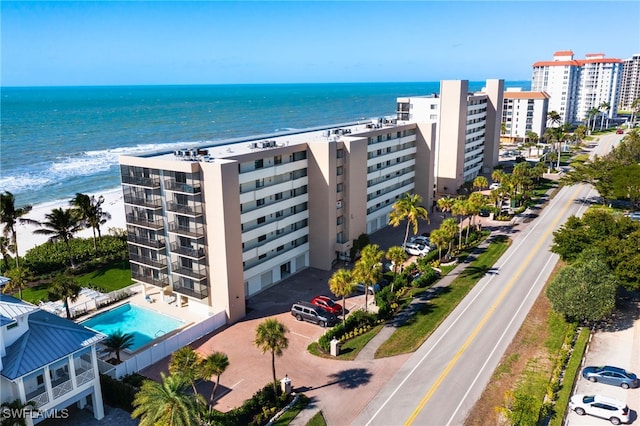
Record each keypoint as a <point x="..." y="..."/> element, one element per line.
<point x="113" y="204"/>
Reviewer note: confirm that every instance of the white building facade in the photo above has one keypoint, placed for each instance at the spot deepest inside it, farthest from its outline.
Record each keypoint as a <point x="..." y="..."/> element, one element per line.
<point x="577" y="86"/>
<point x="523" y="112"/>
<point x="630" y="87"/>
<point x="47" y="360"/>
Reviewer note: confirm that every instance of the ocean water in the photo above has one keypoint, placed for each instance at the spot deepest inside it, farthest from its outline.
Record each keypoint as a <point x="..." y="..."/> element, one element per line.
<point x="57" y="141"/>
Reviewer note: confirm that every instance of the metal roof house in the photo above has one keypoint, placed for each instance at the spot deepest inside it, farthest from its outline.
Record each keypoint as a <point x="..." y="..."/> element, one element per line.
<point x="48" y="360"/>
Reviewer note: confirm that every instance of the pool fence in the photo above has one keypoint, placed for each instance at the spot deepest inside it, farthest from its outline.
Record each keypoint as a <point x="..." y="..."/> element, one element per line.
<point x="159" y="350"/>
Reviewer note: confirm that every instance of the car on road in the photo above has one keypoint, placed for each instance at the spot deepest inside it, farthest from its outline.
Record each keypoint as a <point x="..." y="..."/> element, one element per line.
<point x="619" y="132"/>
<point x="305" y="311"/>
<point x="610" y="376"/>
<point x="327" y="304"/>
<point x="600" y="406"/>
<point x="484" y="212"/>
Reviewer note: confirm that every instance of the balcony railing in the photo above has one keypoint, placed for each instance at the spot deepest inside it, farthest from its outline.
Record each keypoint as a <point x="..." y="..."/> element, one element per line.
<point x="196" y="253"/>
<point x="158" y="282"/>
<point x="185" y="209"/>
<point x="39" y="396"/>
<point x="152" y="203"/>
<point x="199" y="273"/>
<point x="172" y="185"/>
<point x="192" y="231"/>
<point x="136" y="239"/>
<point x="146" y="222"/>
<point x="148" y="182"/>
<point x="158" y="263"/>
<point x="84" y="377"/>
<point x="199" y="292"/>
<point x="61" y="389"/>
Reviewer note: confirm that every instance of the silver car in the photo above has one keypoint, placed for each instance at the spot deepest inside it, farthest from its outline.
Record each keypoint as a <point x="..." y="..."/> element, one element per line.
<point x="610" y="376"/>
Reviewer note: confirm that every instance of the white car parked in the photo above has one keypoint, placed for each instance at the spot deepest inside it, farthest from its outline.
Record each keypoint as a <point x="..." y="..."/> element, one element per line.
<point x="600" y="406"/>
<point x="494" y="185"/>
<point x="417" y="249"/>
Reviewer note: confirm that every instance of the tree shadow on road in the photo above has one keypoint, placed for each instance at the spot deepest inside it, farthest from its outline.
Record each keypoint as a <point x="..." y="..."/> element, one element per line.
<point x="351" y="378"/>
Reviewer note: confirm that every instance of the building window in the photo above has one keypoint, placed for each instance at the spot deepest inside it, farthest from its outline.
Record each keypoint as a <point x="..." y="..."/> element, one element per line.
<point x="277" y="159"/>
<point x="261" y="219"/>
<point x="339" y="187"/>
<point x="259" y="163"/>
<point x="339" y="170"/>
<point x="262" y="256"/>
<point x="340" y="220"/>
<point x="260" y="202"/>
<point x="340" y="153"/>
<point x="262" y="238"/>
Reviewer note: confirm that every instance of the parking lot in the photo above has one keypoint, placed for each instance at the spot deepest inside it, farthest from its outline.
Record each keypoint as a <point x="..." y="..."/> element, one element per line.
<point x="619" y="346"/>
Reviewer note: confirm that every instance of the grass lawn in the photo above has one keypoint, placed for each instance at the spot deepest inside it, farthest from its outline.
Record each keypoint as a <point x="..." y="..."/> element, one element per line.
<point x="108" y="278"/>
<point x="35" y="294"/>
<point x="418" y="328"/>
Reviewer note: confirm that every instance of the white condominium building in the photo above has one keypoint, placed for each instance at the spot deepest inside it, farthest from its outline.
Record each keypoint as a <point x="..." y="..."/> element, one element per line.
<point x="523" y="112"/>
<point x="630" y="87"/>
<point x="215" y="225"/>
<point x="577" y="86"/>
<point x="468" y="129"/>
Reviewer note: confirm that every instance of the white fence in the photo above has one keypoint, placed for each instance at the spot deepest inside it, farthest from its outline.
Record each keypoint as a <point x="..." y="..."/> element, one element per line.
<point x="165" y="347"/>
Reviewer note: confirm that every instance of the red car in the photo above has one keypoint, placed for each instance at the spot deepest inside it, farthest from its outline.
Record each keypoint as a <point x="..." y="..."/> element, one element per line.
<point x="327" y="304"/>
<point x="619" y="132"/>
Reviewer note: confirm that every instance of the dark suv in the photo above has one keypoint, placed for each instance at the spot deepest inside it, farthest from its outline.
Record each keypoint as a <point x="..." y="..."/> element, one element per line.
<point x="308" y="312"/>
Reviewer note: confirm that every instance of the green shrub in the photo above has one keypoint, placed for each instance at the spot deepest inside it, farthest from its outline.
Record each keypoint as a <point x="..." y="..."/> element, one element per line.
<point x="117" y="394"/>
<point x="355" y="321"/>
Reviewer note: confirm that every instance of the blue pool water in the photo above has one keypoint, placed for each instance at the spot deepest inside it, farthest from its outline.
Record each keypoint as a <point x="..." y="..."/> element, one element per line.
<point x="144" y="324"/>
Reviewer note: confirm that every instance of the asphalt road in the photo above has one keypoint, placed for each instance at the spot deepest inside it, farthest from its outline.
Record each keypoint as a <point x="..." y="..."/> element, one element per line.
<point x="439" y="383"/>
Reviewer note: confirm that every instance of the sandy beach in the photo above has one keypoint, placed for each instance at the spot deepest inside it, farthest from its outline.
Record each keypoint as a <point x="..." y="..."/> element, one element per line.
<point x="113" y="204"/>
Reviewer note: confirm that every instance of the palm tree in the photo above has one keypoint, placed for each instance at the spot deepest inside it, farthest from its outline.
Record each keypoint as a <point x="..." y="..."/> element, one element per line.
<point x="186" y="362"/>
<point x="5" y="248"/>
<point x="90" y="212"/>
<point x="19" y="276"/>
<point x="461" y="210"/>
<point x="635" y="107"/>
<point x="593" y="112"/>
<point x="60" y="225"/>
<point x="341" y="284"/>
<point x="449" y="229"/>
<point x="397" y="256"/>
<point x="214" y="365"/>
<point x="270" y="336"/>
<point x="66" y="288"/>
<point x="9" y="215"/>
<point x="445" y="204"/>
<point x="480" y="183"/>
<point x="603" y="107"/>
<point x="17" y="412"/>
<point x="409" y="208"/>
<point x="166" y="403"/>
<point x="475" y="202"/>
<point x="368" y="269"/>
<point x="438" y="238"/>
<point x="118" y="341"/>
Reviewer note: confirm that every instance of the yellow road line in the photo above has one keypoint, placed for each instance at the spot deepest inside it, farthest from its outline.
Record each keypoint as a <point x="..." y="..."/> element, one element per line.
<point x="488" y="315"/>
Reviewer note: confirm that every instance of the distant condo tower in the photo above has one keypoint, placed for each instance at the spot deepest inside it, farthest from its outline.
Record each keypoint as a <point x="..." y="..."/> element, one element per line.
<point x="579" y="86"/>
<point x="630" y="88"/>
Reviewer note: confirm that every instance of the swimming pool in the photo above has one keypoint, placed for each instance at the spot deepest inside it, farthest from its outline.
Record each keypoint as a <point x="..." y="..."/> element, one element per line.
<point x="145" y="325"/>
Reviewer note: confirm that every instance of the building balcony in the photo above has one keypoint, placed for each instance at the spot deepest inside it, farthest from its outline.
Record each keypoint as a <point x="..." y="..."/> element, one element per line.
<point x="61" y="387"/>
<point x="151" y="203"/>
<point x="184" y="187"/>
<point x="185" y="209"/>
<point x="198" y="291"/>
<point x="188" y="251"/>
<point x="195" y="273"/>
<point x="147" y="182"/>
<point x="158" y="263"/>
<point x="158" y="282"/>
<point x="145" y="222"/>
<point x="84" y="376"/>
<point x="196" y="231"/>
<point x="155" y="243"/>
<point x="39" y="396"/>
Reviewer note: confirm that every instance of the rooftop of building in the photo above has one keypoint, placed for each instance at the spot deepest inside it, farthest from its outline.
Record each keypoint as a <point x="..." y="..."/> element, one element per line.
<point x="47" y="339"/>
<point x="231" y="148"/>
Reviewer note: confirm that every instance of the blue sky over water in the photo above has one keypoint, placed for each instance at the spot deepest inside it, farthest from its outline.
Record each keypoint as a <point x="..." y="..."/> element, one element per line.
<point x="212" y="42"/>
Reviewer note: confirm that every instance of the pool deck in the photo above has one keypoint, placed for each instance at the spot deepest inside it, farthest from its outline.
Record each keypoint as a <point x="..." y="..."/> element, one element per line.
<point x="158" y="305"/>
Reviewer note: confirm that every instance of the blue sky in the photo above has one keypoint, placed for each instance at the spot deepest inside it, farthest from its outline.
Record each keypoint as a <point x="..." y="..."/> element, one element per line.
<point x="210" y="42"/>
